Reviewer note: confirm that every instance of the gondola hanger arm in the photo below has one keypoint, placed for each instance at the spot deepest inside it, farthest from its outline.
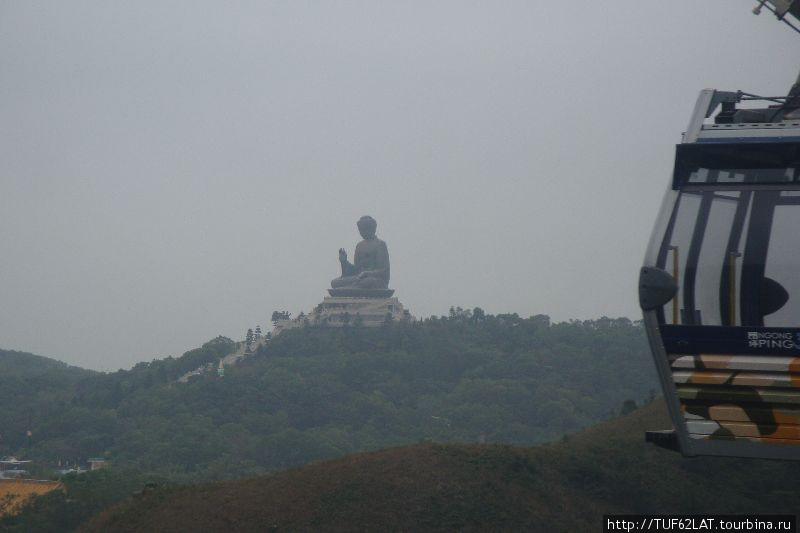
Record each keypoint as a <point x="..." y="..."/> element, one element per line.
<point x="781" y="8"/>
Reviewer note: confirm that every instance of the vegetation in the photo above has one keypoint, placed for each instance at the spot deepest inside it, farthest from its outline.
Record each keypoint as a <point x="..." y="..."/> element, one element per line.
<point x="84" y="495"/>
<point x="317" y="393"/>
<point x="31" y="385"/>
<point x="563" y="486"/>
<point x="73" y="413"/>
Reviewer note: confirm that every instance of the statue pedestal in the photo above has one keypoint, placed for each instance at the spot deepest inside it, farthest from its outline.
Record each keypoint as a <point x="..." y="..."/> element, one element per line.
<point x="357" y="311"/>
<point x="362" y="293"/>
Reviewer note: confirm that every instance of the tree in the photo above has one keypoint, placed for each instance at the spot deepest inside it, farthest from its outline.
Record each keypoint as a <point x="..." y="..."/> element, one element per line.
<point x="628" y="406"/>
<point x="249" y="338"/>
<point x="278" y="316"/>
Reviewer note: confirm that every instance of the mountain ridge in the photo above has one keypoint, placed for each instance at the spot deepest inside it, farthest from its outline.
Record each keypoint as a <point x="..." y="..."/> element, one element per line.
<point x="563" y="486"/>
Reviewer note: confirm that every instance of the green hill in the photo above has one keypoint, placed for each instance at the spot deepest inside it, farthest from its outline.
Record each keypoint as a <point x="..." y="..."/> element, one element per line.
<point x="31" y="385"/>
<point x="564" y="486"/>
<point x="75" y="413"/>
<point x="314" y="393"/>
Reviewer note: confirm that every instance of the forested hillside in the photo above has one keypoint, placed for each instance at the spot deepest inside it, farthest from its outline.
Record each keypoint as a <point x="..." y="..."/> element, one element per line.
<point x="31" y="385"/>
<point x="72" y="412"/>
<point x="316" y="393"/>
<point x="564" y="486"/>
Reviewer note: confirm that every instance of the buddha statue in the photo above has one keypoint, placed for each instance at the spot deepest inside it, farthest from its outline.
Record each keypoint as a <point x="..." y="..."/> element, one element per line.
<point x="368" y="274"/>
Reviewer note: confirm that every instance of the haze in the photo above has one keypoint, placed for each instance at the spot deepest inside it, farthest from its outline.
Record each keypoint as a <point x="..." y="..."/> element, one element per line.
<point x="172" y="171"/>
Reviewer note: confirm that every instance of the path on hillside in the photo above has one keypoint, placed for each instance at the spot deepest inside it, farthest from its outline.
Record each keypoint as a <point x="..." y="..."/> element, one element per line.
<point x="230" y="359"/>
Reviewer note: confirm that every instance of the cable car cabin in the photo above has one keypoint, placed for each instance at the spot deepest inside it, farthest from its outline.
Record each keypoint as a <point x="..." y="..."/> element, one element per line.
<point x="720" y="285"/>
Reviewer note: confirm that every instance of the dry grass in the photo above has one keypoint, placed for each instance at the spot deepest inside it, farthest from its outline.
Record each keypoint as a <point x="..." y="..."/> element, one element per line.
<point x="564" y="486"/>
<point x="15" y="492"/>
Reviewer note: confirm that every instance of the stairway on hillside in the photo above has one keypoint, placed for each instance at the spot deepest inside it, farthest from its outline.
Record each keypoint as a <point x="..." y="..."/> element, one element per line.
<point x="230" y="359"/>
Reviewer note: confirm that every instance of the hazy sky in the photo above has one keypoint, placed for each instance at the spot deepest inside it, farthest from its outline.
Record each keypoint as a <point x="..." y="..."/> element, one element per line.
<point x="172" y="171"/>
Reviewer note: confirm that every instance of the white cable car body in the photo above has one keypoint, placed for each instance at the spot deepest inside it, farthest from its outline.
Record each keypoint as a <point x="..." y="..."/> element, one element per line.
<point x="720" y="285"/>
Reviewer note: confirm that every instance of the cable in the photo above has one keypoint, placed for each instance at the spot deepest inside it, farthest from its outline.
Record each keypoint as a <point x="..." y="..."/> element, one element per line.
<point x="795" y="28"/>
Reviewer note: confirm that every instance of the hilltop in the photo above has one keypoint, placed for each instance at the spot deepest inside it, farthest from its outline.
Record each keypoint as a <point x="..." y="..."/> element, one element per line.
<point x="564" y="486"/>
<point x="29" y="385"/>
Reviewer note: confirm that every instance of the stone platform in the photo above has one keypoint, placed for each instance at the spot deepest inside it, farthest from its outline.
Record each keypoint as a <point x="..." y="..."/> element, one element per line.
<point x="340" y="311"/>
<point x="351" y="310"/>
<point x="362" y="293"/>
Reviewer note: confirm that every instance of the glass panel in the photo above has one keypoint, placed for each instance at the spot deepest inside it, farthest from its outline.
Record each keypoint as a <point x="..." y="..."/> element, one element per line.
<point x="733" y="163"/>
<point x="783" y="264"/>
<point x="736" y="258"/>
<point x="737" y="175"/>
<point x="713" y="256"/>
<point x="700" y="240"/>
<point x="676" y="249"/>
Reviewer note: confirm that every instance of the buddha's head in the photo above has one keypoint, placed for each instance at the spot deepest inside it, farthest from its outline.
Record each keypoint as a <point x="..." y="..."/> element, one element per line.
<point x="367" y="226"/>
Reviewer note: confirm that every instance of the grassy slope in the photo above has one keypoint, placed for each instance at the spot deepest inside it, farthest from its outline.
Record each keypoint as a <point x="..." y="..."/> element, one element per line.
<point x="566" y="486"/>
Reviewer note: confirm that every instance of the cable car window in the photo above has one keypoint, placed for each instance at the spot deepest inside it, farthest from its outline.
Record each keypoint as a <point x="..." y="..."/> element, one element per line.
<point x="696" y="254"/>
<point x="674" y="251"/>
<point x="761" y="175"/>
<point x="712" y="260"/>
<point x="734" y="255"/>
<point x="783" y="268"/>
<point x="756" y="163"/>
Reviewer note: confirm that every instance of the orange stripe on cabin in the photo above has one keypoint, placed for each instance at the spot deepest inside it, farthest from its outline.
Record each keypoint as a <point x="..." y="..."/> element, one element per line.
<point x="794" y="370"/>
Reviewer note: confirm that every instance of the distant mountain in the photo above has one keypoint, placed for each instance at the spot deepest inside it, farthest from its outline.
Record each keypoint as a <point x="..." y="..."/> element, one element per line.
<point x="30" y="385"/>
<point x="563" y="486"/>
<point x="26" y="364"/>
<point x="72" y="412"/>
<point x="316" y="393"/>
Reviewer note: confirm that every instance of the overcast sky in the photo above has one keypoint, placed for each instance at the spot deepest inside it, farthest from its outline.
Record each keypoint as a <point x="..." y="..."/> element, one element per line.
<point x="172" y="171"/>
